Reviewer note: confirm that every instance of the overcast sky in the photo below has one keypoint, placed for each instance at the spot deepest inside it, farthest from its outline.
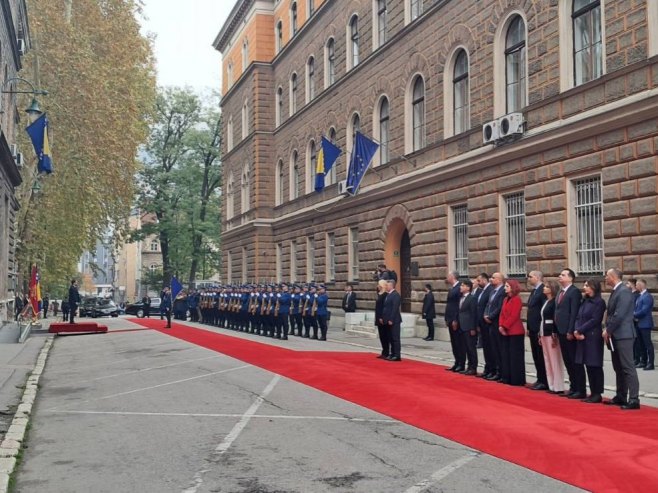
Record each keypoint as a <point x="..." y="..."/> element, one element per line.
<point x="185" y="30"/>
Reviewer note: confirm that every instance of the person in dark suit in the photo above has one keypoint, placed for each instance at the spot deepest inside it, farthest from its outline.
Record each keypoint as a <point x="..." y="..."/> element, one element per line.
<point x="644" y="325"/>
<point x="467" y="318"/>
<point x="165" y="306"/>
<point x="512" y="362"/>
<point x="566" y="311"/>
<point x="484" y="291"/>
<point x="45" y="305"/>
<point x="384" y="338"/>
<point x="74" y="299"/>
<point x="349" y="300"/>
<point x="393" y="319"/>
<point x="548" y="339"/>
<point x="451" y="318"/>
<point x="536" y="301"/>
<point x="429" y="312"/>
<point x="146" y="302"/>
<point x="589" y="343"/>
<point x="491" y="316"/>
<point x="618" y="336"/>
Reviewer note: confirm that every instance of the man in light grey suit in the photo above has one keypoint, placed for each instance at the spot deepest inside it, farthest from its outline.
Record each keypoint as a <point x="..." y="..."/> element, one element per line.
<point x="619" y="335"/>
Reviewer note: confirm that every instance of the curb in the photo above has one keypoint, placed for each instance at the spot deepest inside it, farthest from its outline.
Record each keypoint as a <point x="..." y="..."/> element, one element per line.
<point x="13" y="440"/>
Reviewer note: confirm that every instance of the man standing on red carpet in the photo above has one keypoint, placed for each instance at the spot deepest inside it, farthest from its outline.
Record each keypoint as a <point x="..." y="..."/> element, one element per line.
<point x="165" y="305"/>
<point x="393" y="319"/>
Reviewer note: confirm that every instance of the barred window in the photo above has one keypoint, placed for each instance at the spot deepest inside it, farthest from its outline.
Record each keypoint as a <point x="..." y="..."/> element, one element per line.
<point x="310" y="258"/>
<point x="587" y="40"/>
<point x="589" y="226"/>
<point x="354" y="254"/>
<point x="460" y="238"/>
<point x="515" y="246"/>
<point x="331" y="257"/>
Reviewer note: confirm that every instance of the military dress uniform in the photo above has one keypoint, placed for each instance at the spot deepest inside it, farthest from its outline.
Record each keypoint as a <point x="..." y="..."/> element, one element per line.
<point x="283" y="300"/>
<point x="322" y="313"/>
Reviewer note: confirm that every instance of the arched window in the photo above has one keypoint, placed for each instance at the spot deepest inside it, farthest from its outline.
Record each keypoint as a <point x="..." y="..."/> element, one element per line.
<point x="294" y="175"/>
<point x="588" y="43"/>
<point x="330" y="63"/>
<point x="230" y="197"/>
<point x="310" y="79"/>
<point x="293" y="94"/>
<point x="353" y="127"/>
<point x="418" y="114"/>
<point x="331" y="177"/>
<point x="279" y="36"/>
<point x="245" y="55"/>
<point x="245" y="120"/>
<point x="384" y="117"/>
<point x="229" y="73"/>
<point x="293" y="18"/>
<point x="515" y="62"/>
<point x="279" y="183"/>
<point x="244" y="192"/>
<point x="279" y="106"/>
<point x="229" y="133"/>
<point x="311" y="166"/>
<point x="154" y="268"/>
<point x="381" y="14"/>
<point x="353" y="58"/>
<point x="460" y="93"/>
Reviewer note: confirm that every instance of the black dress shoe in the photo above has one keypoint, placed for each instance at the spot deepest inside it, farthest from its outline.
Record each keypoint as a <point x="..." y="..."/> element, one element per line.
<point x="640" y="365"/>
<point x="459" y="369"/>
<point x="556" y="392"/>
<point x="649" y="367"/>
<point x="568" y="394"/>
<point x="615" y="401"/>
<point x="632" y="404"/>
<point x="493" y="377"/>
<point x="470" y="372"/>
<point x="323" y="338"/>
<point x="394" y="358"/>
<point x="577" y="395"/>
<point x="452" y="368"/>
<point x="594" y="399"/>
<point x="482" y="375"/>
<point x="539" y="386"/>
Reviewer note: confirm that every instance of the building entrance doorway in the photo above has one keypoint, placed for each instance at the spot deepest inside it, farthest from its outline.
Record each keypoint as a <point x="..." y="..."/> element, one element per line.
<point x="397" y="256"/>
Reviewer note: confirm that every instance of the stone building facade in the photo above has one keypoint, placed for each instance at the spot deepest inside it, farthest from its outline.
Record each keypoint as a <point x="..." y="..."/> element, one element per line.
<point x="14" y="42"/>
<point x="573" y="183"/>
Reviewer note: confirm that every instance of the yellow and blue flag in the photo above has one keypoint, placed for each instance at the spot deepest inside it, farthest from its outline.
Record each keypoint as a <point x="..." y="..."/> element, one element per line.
<point x="364" y="150"/>
<point x="326" y="159"/>
<point x="176" y="287"/>
<point x="38" y="132"/>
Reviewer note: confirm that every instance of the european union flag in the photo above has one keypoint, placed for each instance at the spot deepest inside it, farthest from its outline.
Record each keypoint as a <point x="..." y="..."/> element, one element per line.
<point x="364" y="150"/>
<point x="326" y="159"/>
<point x="38" y="132"/>
<point x="176" y="287"/>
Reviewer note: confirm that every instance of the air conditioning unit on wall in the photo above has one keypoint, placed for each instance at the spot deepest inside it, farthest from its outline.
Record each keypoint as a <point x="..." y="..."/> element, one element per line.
<point x="342" y="188"/>
<point x="490" y="132"/>
<point x="510" y="125"/>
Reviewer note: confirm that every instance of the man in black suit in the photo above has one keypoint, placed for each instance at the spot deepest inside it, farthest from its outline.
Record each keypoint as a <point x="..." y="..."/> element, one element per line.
<point x="536" y="301"/>
<point x="393" y="319"/>
<point x="490" y="317"/>
<point x="468" y="314"/>
<point x="566" y="309"/>
<point x="74" y="299"/>
<point x="349" y="300"/>
<point x="429" y="312"/>
<point x="451" y="318"/>
<point x="619" y="334"/>
<point x="482" y="296"/>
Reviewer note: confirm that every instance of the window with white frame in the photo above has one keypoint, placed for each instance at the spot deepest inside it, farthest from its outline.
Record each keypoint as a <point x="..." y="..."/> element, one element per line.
<point x="230" y="197"/>
<point x="461" y="98"/>
<point x="154" y="268"/>
<point x="418" y="114"/>
<point x="245" y="55"/>
<point x="279" y="36"/>
<point x="294" y="175"/>
<point x="279" y="262"/>
<point x="353" y="259"/>
<point x="416" y="9"/>
<point x="588" y="41"/>
<point x="293" y="94"/>
<point x="460" y="238"/>
<point x="331" y="257"/>
<point x="229" y="133"/>
<point x="154" y="245"/>
<point x="245" y="189"/>
<point x="589" y="225"/>
<point x="310" y="7"/>
<point x="245" y="120"/>
<point x="353" y="126"/>
<point x="310" y="79"/>
<point x="353" y="54"/>
<point x="331" y="177"/>
<point x="330" y="63"/>
<point x="279" y="183"/>
<point x="380" y="13"/>
<point x="310" y="258"/>
<point x="384" y="124"/>
<point x="293" y="261"/>
<point x="245" y="265"/>
<point x="515" y="244"/>
<point x="311" y="165"/>
<point x="293" y="18"/>
<point x="515" y="65"/>
<point x="278" y="111"/>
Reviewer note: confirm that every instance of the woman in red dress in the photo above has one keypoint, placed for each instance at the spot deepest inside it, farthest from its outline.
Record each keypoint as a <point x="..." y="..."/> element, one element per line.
<point x="512" y="342"/>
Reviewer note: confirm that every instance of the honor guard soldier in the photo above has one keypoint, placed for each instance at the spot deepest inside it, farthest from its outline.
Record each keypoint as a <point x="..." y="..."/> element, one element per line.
<point x="260" y="310"/>
<point x="322" y="312"/>
<point x="307" y="311"/>
<point x="204" y="306"/>
<point x="269" y="311"/>
<point x="314" y="311"/>
<point x="251" y="318"/>
<point x="295" y="311"/>
<point x="244" y="309"/>
<point x="283" y="313"/>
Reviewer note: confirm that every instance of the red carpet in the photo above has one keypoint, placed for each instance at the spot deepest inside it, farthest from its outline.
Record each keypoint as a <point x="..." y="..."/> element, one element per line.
<point x="594" y="447"/>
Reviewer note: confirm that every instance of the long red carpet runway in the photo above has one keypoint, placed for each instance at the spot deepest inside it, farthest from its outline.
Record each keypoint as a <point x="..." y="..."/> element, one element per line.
<point x="595" y="447"/>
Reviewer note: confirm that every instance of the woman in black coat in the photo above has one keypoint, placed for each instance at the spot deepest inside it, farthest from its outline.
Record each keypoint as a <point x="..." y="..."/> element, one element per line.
<point x="589" y="343"/>
<point x="384" y="331"/>
<point x="429" y="312"/>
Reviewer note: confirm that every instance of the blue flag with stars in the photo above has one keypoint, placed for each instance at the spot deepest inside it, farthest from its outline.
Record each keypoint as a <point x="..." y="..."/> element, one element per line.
<point x="176" y="287"/>
<point x="38" y="132"/>
<point x="364" y="150"/>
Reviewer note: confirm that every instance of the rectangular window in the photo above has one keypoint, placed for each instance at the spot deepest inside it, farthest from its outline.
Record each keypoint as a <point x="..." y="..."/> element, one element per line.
<point x="589" y="226"/>
<point x="293" y="261"/>
<point x="381" y="21"/>
<point x="331" y="257"/>
<point x="588" y="43"/>
<point x="244" y="265"/>
<point x="416" y="9"/>
<point x="354" y="254"/>
<point x="310" y="258"/>
<point x="279" y="249"/>
<point x="460" y="239"/>
<point x="514" y="220"/>
<point x="229" y="267"/>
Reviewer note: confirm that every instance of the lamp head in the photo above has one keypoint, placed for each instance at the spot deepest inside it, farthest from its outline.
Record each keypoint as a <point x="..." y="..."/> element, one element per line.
<point x="34" y="111"/>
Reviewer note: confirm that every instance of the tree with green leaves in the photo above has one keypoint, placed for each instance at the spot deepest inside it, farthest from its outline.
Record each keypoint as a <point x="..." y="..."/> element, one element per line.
<point x="180" y="182"/>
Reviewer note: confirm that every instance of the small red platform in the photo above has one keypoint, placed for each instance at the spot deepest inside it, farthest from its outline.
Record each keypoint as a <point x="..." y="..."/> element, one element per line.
<point x="83" y="327"/>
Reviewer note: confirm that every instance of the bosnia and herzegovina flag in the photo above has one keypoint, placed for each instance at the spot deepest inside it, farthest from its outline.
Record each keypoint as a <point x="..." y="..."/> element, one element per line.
<point x="326" y="159"/>
<point x="38" y="132"/>
<point x="35" y="289"/>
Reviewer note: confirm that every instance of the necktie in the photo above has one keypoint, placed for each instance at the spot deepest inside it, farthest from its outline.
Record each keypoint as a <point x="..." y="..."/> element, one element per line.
<point x="559" y="298"/>
<point x="461" y="301"/>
